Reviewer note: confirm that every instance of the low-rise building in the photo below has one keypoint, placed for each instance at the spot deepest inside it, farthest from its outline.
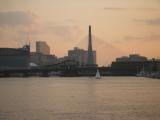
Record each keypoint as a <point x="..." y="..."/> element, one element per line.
<point x="41" y="59"/>
<point x="14" y="58"/>
<point x="133" y="64"/>
<point x="132" y="58"/>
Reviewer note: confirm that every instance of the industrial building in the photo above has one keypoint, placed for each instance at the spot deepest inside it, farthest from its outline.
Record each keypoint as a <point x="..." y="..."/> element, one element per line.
<point x="133" y="64"/>
<point x="42" y="55"/>
<point x="41" y="59"/>
<point x="14" y="58"/>
<point x="83" y="57"/>
<point x="78" y="55"/>
<point x="91" y="55"/>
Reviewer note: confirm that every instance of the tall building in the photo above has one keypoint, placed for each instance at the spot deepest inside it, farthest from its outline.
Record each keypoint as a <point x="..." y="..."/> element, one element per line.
<point x="42" y="47"/>
<point x="90" y="58"/>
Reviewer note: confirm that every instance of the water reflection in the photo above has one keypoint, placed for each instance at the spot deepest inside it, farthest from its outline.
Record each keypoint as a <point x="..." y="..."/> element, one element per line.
<point x="117" y="98"/>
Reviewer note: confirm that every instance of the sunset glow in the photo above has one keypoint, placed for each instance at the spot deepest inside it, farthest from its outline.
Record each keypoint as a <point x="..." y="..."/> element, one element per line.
<point x="120" y="27"/>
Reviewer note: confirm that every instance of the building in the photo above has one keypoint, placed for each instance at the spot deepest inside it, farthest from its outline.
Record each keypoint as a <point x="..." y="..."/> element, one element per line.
<point x="132" y="58"/>
<point x="42" y="55"/>
<point x="14" y="58"/>
<point x="81" y="56"/>
<point x="123" y="58"/>
<point x="78" y="55"/>
<point x="134" y="67"/>
<point x="133" y="64"/>
<point x="125" y="68"/>
<point x="62" y="59"/>
<point x="136" y="57"/>
<point x="42" y="47"/>
<point x="91" y="54"/>
<point x="41" y="59"/>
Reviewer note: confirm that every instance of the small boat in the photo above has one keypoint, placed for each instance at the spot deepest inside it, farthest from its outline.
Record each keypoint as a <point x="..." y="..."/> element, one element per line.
<point x="98" y="76"/>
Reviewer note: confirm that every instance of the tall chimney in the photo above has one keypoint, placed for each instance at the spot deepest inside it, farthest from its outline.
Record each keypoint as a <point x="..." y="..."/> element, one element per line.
<point x="90" y="52"/>
<point x="90" y="39"/>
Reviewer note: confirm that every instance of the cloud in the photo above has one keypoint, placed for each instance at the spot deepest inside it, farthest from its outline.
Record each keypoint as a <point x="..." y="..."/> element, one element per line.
<point x="67" y="32"/>
<point x="25" y="24"/>
<point x="155" y="21"/>
<point x="130" y="9"/>
<point x="22" y="22"/>
<point x="17" y="18"/>
<point x="148" y="9"/>
<point x="17" y="26"/>
<point x="114" y="8"/>
<point x="153" y="37"/>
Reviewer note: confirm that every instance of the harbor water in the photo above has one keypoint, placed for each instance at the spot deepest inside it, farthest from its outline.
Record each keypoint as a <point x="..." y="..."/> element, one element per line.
<point x="79" y="98"/>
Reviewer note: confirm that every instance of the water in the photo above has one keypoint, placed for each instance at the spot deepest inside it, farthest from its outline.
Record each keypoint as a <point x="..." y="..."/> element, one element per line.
<point x="110" y="98"/>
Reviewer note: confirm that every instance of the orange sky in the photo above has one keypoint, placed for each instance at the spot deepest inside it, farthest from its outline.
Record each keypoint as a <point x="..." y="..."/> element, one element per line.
<point x="120" y="27"/>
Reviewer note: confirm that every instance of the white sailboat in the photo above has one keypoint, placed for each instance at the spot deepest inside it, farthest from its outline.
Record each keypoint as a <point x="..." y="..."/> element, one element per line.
<point x="98" y="76"/>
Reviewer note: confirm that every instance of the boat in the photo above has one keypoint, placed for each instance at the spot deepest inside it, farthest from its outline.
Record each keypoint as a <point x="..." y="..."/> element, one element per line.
<point x="98" y="76"/>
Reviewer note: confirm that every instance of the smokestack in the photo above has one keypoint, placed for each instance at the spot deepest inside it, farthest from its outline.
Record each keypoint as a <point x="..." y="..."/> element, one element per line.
<point x="90" y="52"/>
<point x="90" y="39"/>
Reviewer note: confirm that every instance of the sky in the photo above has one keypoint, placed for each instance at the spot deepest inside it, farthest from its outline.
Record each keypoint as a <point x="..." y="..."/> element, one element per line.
<point x="119" y="27"/>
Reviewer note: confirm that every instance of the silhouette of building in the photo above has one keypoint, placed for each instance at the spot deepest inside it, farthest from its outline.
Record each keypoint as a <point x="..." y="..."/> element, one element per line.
<point x="42" y="55"/>
<point x="134" y="64"/>
<point x="14" y="58"/>
<point x="91" y="55"/>
<point x="132" y="58"/>
<point x="42" y="47"/>
<point x="94" y="57"/>
<point x="42" y="59"/>
<point x="81" y="56"/>
<point x="78" y="55"/>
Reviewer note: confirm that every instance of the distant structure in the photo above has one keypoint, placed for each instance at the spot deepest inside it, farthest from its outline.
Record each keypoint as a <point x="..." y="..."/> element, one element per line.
<point x="42" y="55"/>
<point x="133" y="64"/>
<point x="81" y="56"/>
<point x="14" y="58"/>
<point x="78" y="55"/>
<point x="91" y="54"/>
<point x="132" y="58"/>
<point x="42" y="47"/>
<point x="41" y="60"/>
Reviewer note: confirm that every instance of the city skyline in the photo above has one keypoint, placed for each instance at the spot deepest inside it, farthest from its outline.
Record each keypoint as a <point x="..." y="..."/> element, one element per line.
<point x="119" y="27"/>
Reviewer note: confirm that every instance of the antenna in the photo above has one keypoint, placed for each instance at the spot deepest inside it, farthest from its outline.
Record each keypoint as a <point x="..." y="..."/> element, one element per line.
<point x="27" y="37"/>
